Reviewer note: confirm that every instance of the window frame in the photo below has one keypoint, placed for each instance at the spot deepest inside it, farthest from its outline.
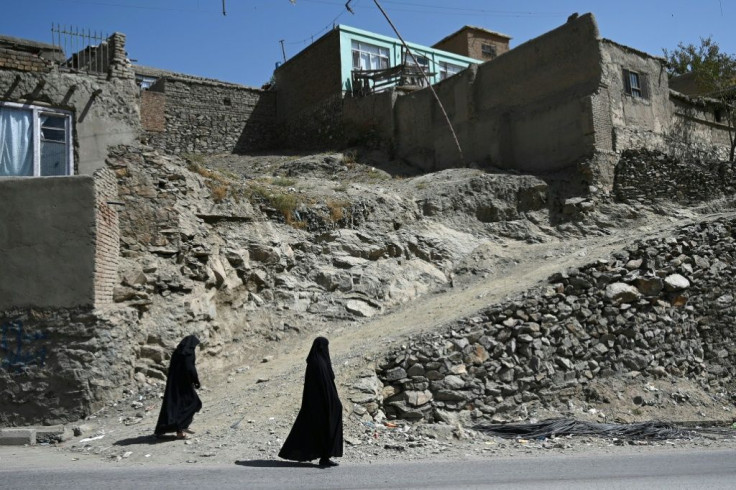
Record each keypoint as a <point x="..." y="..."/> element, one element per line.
<point x="488" y="50"/>
<point x="37" y="112"/>
<point x="383" y="53"/>
<point x="423" y="60"/>
<point x="145" y="81"/>
<point x="445" y="73"/>
<point x="638" y="90"/>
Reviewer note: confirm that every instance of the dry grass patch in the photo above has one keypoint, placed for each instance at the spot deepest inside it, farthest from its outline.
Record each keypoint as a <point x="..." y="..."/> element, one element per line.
<point x="337" y="209"/>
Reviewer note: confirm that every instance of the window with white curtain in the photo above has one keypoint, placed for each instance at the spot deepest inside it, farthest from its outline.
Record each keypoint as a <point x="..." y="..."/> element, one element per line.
<point x="34" y="141"/>
<point x="369" y="56"/>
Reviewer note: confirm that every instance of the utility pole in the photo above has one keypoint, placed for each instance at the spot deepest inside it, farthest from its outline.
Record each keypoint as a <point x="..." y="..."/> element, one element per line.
<point x="426" y="80"/>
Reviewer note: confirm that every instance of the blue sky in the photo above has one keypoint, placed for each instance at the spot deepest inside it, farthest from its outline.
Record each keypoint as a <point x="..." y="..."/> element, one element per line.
<point x="192" y="36"/>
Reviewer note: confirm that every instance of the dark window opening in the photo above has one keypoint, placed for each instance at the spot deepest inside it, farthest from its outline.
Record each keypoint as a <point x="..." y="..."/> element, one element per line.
<point x="718" y="115"/>
<point x="636" y="84"/>
<point x="488" y="50"/>
<point x="227" y="101"/>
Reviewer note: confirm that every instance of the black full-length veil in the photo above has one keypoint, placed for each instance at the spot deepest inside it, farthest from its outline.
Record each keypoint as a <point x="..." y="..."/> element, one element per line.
<point x="317" y="430"/>
<point x="180" y="398"/>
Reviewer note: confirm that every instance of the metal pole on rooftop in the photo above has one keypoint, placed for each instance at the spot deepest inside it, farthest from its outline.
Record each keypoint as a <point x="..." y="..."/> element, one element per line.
<point x="283" y="51"/>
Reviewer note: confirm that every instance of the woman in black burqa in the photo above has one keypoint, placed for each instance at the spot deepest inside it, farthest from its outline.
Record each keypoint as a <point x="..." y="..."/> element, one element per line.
<point x="317" y="431"/>
<point x="180" y="398"/>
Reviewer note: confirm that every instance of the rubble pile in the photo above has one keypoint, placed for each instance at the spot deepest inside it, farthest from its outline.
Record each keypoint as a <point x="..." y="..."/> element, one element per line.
<point x="661" y="308"/>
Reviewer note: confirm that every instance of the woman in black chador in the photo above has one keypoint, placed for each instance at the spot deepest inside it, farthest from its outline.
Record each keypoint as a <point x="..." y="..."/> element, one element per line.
<point x="317" y="431"/>
<point x="180" y="399"/>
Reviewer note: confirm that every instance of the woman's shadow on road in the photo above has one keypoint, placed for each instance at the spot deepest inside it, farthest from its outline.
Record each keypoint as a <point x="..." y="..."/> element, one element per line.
<point x="146" y="439"/>
<point x="271" y="463"/>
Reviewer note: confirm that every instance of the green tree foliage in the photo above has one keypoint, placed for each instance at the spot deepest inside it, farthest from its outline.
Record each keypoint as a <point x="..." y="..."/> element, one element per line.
<point x="715" y="73"/>
<point x="715" y="69"/>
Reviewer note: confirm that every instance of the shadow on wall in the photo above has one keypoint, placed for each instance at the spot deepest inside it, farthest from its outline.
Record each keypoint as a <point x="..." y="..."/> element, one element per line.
<point x="259" y="131"/>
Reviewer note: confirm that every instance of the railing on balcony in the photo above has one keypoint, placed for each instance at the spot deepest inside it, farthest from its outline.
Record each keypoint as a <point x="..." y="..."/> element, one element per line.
<point x="404" y="77"/>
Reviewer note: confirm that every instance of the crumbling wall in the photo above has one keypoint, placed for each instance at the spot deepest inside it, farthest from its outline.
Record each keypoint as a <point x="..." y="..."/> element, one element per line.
<point x="192" y="115"/>
<point x="695" y="129"/>
<point x="105" y="106"/>
<point x="14" y="59"/>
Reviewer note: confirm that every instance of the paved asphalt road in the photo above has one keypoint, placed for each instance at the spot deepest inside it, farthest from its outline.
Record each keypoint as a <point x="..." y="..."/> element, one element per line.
<point x="672" y="470"/>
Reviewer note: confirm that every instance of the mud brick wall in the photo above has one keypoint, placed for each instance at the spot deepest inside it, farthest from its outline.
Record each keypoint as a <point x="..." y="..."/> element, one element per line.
<point x="22" y="61"/>
<point x="153" y="111"/>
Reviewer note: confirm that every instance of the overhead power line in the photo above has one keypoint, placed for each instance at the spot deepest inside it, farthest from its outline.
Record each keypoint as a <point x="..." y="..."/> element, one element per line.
<point x="444" y="9"/>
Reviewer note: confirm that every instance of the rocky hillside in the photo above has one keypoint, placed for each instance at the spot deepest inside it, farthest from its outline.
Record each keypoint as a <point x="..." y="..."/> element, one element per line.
<point x="256" y="254"/>
<point x="247" y="252"/>
<point x="457" y="297"/>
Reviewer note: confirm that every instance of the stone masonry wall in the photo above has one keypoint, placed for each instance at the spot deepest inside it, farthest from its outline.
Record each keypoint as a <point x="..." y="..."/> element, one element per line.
<point x="319" y="128"/>
<point x="207" y="116"/>
<point x="662" y="307"/>
<point x="60" y="365"/>
<point x="649" y="176"/>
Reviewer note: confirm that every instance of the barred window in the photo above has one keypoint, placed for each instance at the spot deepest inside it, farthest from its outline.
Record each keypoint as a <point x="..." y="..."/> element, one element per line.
<point x="488" y="50"/>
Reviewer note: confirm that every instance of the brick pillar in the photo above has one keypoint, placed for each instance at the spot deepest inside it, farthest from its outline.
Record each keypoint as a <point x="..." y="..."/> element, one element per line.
<point x="107" y="237"/>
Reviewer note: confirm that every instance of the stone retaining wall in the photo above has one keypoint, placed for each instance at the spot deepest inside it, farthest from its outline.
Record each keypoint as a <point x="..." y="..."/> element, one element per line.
<point x="650" y="176"/>
<point x="60" y="365"/>
<point x="660" y="308"/>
